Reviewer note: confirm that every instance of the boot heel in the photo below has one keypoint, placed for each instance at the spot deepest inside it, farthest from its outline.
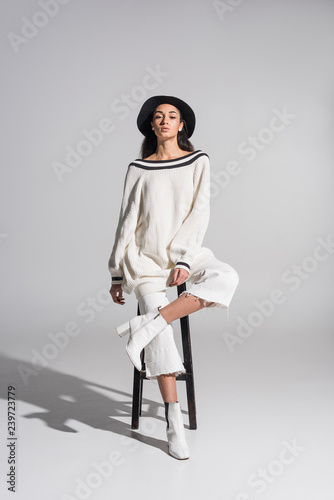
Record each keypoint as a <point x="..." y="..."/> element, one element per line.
<point x="124" y="329"/>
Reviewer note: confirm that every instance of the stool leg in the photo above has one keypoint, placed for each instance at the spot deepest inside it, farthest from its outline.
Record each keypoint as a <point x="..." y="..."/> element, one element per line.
<point x="142" y="376"/>
<point x="188" y="364"/>
<point x="190" y="384"/>
<point x="137" y="393"/>
<point x="136" y="399"/>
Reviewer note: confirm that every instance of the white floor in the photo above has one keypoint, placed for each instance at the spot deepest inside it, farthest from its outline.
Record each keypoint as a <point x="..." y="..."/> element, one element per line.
<point x="273" y="393"/>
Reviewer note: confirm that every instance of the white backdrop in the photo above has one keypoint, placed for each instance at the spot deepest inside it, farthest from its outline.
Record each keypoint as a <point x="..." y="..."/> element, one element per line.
<point x="259" y="75"/>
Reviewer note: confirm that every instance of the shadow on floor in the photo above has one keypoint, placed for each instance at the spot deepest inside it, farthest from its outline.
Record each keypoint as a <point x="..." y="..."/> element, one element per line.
<point x="64" y="397"/>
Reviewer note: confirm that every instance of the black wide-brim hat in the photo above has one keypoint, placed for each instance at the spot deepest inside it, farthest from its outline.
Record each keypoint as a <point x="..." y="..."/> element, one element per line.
<point x="145" y="114"/>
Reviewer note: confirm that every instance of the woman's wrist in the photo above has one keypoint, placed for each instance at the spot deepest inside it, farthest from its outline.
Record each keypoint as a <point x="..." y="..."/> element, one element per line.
<point x="116" y="280"/>
<point x="182" y="265"/>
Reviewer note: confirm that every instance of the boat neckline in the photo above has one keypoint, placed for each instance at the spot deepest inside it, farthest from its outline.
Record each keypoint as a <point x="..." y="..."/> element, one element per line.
<point x="171" y="160"/>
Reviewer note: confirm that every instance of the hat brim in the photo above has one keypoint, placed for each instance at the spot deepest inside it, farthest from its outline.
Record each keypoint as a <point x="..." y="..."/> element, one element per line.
<point x="145" y="114"/>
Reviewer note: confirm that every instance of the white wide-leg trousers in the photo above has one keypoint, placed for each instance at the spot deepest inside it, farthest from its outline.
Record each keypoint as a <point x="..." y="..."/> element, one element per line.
<point x="214" y="281"/>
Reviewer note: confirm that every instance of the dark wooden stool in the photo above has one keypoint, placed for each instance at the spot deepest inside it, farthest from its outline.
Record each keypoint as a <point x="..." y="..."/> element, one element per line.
<point x="188" y="377"/>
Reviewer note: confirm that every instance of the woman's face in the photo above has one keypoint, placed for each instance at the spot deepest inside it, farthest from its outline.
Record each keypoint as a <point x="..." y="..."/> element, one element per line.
<point x="166" y="121"/>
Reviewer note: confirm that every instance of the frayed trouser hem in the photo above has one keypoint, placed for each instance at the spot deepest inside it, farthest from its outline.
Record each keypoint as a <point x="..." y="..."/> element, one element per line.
<point x="154" y="377"/>
<point x="207" y="303"/>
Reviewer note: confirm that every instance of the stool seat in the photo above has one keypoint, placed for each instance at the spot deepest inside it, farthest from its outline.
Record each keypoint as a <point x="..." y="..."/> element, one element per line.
<point x="188" y="377"/>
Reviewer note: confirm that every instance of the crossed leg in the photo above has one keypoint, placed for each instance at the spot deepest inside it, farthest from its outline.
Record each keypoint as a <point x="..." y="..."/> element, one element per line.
<point x="184" y="305"/>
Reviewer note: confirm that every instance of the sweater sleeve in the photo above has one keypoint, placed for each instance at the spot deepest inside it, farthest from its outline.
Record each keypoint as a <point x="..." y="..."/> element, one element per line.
<point x="127" y="223"/>
<point x="188" y="240"/>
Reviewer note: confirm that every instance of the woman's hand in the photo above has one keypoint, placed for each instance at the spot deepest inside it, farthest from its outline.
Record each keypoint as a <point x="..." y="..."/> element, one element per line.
<point x="116" y="293"/>
<point x="179" y="276"/>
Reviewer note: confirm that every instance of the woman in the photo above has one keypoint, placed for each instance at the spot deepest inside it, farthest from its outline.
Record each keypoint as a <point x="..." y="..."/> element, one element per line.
<point x="163" y="218"/>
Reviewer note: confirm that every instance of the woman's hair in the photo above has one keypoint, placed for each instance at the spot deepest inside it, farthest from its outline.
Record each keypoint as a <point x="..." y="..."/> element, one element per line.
<point x="149" y="144"/>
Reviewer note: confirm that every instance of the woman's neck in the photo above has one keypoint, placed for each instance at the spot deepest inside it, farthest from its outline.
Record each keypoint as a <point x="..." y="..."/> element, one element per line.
<point x="168" y="150"/>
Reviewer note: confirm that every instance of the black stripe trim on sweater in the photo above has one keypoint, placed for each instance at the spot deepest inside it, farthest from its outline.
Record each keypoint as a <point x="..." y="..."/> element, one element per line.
<point x="172" y="159"/>
<point x="117" y="278"/>
<point x="181" y="162"/>
<point x="183" y="264"/>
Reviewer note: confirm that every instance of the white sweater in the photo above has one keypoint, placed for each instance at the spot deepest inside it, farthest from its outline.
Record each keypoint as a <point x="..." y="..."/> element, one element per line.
<point x="163" y="218"/>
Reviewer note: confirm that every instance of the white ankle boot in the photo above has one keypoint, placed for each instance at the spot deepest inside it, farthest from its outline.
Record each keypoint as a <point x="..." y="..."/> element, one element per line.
<point x="142" y="330"/>
<point x="177" y="445"/>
